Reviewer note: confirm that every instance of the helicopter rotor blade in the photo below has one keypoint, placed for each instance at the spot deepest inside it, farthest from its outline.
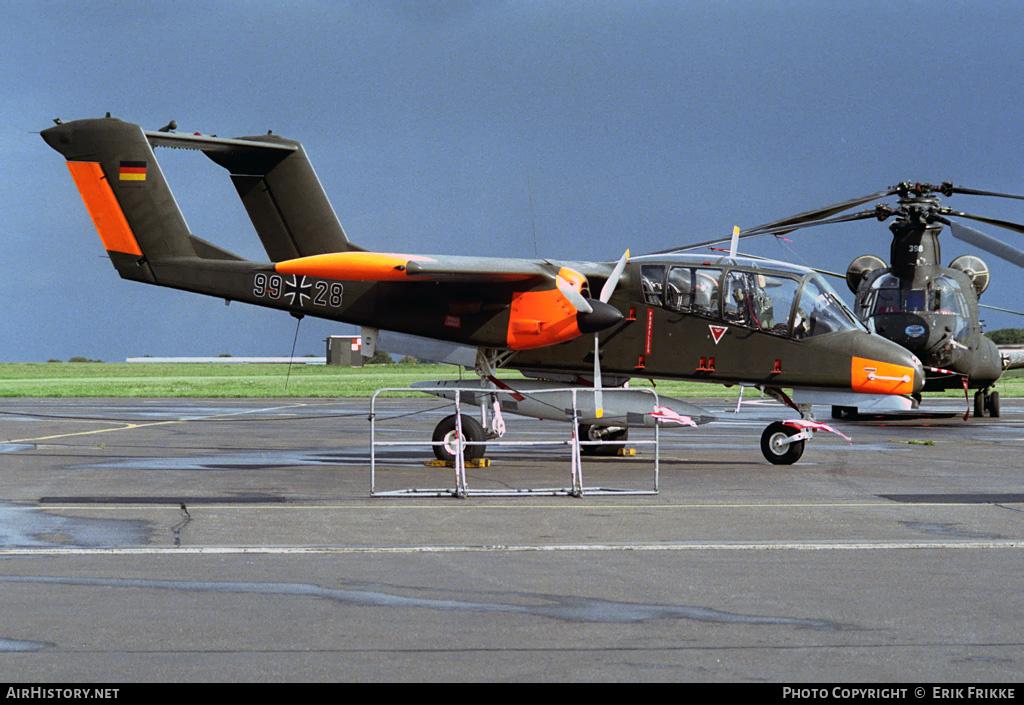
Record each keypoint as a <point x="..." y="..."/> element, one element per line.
<point x="783" y="229"/>
<point x="984" y="242"/>
<point x="990" y="221"/>
<point x="819" y="213"/>
<point x="975" y="192"/>
<point x="879" y="213"/>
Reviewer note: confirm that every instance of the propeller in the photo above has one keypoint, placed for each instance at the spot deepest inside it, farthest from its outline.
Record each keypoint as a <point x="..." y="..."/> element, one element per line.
<point x="606" y="294"/>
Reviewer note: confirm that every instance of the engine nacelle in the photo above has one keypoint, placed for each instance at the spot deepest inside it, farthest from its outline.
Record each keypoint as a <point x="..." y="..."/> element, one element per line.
<point x="860" y="268"/>
<point x="975" y="269"/>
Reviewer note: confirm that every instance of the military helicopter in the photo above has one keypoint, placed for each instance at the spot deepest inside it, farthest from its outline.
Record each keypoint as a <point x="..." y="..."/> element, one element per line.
<point x="931" y="310"/>
<point x="724" y="320"/>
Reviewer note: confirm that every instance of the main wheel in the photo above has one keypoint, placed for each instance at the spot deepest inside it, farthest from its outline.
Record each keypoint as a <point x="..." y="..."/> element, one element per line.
<point x="614" y="440"/>
<point x="979" y="404"/>
<point x="992" y="404"/>
<point x="446" y="435"/>
<point x="774" y="448"/>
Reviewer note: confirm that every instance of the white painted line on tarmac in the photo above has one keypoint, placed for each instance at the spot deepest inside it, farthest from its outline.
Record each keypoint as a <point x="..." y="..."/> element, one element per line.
<point x="541" y="548"/>
<point x="128" y="426"/>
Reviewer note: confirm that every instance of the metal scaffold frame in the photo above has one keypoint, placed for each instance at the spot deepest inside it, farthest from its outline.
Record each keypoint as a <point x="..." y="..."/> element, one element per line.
<point x="462" y="490"/>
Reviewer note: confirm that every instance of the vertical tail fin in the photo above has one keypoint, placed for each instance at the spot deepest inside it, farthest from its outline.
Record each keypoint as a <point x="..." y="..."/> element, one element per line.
<point x="125" y="192"/>
<point x="284" y="199"/>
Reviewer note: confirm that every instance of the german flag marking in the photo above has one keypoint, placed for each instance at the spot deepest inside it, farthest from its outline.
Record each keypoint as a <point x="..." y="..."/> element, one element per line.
<point x="132" y="171"/>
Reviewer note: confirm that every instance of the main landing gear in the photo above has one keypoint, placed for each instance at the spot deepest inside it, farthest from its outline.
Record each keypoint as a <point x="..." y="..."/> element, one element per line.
<point x="614" y="437"/>
<point x="984" y="400"/>
<point x="446" y="433"/>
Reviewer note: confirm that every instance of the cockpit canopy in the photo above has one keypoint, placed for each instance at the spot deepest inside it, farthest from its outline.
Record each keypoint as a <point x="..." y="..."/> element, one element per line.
<point x="941" y="294"/>
<point x="788" y="302"/>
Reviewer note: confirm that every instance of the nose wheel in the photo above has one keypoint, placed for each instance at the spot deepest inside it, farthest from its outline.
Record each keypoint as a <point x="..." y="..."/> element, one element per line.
<point x="782" y="444"/>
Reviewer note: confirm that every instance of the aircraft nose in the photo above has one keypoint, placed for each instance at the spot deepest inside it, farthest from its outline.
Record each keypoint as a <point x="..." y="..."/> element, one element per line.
<point x="603" y="316"/>
<point x="882" y="367"/>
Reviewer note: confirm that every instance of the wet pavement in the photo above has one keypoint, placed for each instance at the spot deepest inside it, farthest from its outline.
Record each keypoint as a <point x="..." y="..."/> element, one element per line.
<point x="155" y="540"/>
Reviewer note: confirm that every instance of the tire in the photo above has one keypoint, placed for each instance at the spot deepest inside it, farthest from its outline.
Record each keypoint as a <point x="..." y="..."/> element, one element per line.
<point x="613" y="442"/>
<point x="979" y="405"/>
<point x="445" y="433"/>
<point x="992" y="404"/>
<point x="775" y="453"/>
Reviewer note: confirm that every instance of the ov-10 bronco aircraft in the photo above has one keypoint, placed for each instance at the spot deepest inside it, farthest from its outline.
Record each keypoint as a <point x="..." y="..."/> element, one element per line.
<point x="592" y="325"/>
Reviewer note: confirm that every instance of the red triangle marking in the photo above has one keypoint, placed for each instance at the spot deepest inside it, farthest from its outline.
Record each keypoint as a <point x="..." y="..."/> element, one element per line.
<point x="717" y="332"/>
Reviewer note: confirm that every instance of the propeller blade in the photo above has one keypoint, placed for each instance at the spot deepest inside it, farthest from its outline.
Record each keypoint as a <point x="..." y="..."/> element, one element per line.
<point x="606" y="293"/>
<point x="613" y="278"/>
<point x="984" y="242"/>
<point x="575" y="298"/>
<point x="991" y="221"/>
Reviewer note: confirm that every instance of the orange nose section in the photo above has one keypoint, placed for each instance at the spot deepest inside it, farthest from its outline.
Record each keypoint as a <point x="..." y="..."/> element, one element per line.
<point x="874" y="377"/>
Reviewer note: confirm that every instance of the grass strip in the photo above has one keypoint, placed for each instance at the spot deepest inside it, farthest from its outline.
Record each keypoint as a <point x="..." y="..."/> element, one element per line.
<point x="273" y="380"/>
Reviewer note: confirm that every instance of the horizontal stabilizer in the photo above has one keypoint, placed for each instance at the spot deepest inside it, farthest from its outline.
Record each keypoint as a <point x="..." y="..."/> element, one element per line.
<point x="206" y="143"/>
<point x="279" y="189"/>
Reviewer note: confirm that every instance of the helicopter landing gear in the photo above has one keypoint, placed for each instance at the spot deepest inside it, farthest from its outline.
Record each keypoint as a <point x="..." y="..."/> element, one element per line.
<point x="986" y="401"/>
<point x="782" y="444"/>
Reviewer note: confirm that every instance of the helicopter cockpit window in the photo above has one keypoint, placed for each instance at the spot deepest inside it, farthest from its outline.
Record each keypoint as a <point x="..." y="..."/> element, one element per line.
<point x="942" y="295"/>
<point x="821" y="311"/>
<point x="887" y="301"/>
<point x="652" y="278"/>
<point x="945" y="296"/>
<point x="887" y="295"/>
<point x="914" y="300"/>
<point x="693" y="289"/>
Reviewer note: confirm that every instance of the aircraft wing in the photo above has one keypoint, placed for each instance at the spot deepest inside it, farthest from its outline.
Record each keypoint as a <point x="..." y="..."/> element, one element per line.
<point x="385" y="266"/>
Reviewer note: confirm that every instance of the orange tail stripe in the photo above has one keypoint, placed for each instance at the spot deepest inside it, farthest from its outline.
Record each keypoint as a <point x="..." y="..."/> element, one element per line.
<point x="105" y="211"/>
